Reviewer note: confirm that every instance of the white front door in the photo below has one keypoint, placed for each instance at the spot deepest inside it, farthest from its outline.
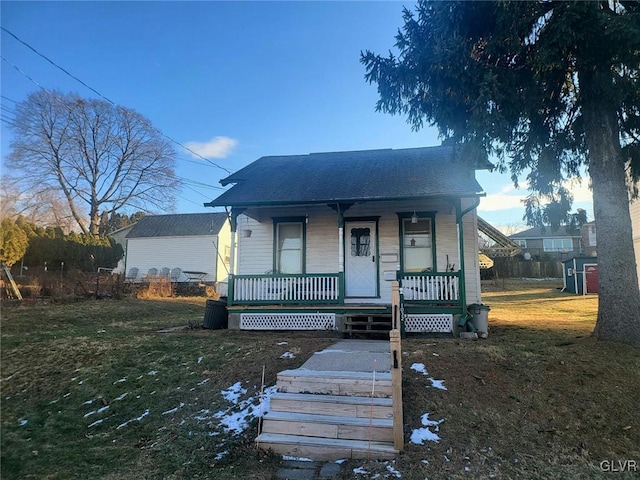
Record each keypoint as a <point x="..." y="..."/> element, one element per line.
<point x="360" y="265"/>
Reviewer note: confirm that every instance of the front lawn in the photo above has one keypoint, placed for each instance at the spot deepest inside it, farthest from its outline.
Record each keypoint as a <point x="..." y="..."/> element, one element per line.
<point x="95" y="390"/>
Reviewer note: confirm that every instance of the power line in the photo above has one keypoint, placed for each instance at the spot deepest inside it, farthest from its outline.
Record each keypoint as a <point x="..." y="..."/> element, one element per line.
<point x="7" y="98"/>
<point x="99" y="94"/>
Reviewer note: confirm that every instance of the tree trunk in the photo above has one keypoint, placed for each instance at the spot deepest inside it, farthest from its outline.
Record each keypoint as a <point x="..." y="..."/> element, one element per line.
<point x="619" y="296"/>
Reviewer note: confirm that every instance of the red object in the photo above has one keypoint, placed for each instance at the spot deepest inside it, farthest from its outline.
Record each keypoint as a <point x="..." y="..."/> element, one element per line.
<point x="591" y="275"/>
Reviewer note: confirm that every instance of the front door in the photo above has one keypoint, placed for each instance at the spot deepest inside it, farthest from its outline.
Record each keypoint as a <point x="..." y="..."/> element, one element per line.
<point x="360" y="265"/>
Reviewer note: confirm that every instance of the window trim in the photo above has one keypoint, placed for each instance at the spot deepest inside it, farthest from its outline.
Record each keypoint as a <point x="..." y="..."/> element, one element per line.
<point x="402" y="216"/>
<point x="521" y="242"/>
<point x="284" y="220"/>
<point x="557" y="250"/>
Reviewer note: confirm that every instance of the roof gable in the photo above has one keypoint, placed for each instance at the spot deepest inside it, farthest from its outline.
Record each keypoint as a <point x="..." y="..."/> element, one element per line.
<point x="350" y="176"/>
<point x="178" y="225"/>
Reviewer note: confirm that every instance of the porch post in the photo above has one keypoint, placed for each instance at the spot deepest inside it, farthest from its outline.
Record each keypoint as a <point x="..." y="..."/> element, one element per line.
<point x="233" y="220"/>
<point x="340" y="208"/>
<point x="340" y="255"/>
<point x="462" y="280"/>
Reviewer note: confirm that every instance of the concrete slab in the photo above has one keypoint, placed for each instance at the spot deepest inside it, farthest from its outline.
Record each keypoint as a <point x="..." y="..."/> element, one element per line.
<point x="352" y="356"/>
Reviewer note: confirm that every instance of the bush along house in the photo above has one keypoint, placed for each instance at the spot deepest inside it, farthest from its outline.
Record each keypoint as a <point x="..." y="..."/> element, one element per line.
<point x="318" y="239"/>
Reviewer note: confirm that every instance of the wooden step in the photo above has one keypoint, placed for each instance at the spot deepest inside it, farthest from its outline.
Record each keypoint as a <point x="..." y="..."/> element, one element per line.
<point x="357" y="407"/>
<point x="335" y="382"/>
<point x="328" y="426"/>
<point x="324" y="449"/>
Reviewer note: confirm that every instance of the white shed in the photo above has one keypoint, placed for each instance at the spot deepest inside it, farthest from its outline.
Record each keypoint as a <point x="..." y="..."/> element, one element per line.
<point x="194" y="242"/>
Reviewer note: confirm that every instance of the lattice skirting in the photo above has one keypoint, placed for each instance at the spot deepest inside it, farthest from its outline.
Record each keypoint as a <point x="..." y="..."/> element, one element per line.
<point x="287" y="321"/>
<point x="425" y="322"/>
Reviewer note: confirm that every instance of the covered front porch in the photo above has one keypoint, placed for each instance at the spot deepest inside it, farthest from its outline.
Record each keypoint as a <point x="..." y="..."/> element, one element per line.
<point x="430" y="301"/>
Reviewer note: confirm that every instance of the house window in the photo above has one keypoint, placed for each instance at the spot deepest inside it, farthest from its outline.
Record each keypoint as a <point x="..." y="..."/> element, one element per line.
<point x="289" y="243"/>
<point x="521" y="243"/>
<point x="557" y="245"/>
<point x="417" y="245"/>
<point x="360" y="242"/>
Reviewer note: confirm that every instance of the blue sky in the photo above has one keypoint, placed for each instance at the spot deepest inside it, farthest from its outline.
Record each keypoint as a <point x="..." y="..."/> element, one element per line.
<point x="234" y="81"/>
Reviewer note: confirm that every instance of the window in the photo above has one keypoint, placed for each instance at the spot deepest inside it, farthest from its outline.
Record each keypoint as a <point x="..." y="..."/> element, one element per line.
<point x="521" y="243"/>
<point x="417" y="245"/>
<point x="360" y="242"/>
<point x="557" y="245"/>
<point x="289" y="247"/>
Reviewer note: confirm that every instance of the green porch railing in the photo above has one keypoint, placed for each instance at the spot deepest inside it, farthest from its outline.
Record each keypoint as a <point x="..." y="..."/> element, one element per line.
<point x="321" y="288"/>
<point x="431" y="288"/>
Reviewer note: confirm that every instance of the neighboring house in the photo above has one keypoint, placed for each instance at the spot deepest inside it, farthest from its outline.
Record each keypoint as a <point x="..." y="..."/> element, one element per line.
<point x="562" y="244"/>
<point x="589" y="239"/>
<point x="321" y="237"/>
<point x="192" y="242"/>
<point x="120" y="237"/>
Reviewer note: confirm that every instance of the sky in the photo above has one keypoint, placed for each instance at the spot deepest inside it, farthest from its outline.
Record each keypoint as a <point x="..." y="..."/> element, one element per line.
<point x="233" y="81"/>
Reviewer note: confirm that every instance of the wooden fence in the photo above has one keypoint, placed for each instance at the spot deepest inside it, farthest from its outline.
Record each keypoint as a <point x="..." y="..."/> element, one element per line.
<point x="513" y="268"/>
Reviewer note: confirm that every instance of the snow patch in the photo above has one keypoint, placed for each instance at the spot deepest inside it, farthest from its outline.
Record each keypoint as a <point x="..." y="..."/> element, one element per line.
<point x="288" y="355"/>
<point x="296" y="459"/>
<point x="174" y="410"/>
<point x="232" y="394"/>
<point x="420" y="368"/>
<point x="360" y="471"/>
<point x="124" y="379"/>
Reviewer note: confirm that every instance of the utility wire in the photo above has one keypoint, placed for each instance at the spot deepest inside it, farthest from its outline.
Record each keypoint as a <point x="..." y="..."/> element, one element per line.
<point x="97" y="93"/>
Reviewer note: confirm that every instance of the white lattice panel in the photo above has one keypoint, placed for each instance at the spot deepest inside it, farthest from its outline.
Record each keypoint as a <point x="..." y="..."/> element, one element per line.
<point x="425" y="322"/>
<point x="287" y="321"/>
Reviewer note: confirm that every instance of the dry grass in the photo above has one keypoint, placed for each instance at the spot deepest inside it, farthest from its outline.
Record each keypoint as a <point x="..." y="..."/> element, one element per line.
<point x="538" y="399"/>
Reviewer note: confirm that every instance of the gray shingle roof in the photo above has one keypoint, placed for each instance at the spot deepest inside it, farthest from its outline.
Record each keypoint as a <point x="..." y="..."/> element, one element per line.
<point x="536" y="232"/>
<point x="178" y="225"/>
<point x="350" y="176"/>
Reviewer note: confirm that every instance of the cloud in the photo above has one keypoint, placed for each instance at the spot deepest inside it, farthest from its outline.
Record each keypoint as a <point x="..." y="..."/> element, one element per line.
<point x="509" y="197"/>
<point x="500" y="201"/>
<point x="217" y="147"/>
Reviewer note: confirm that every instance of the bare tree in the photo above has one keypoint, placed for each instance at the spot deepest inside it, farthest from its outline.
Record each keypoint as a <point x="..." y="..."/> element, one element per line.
<point x="100" y="157"/>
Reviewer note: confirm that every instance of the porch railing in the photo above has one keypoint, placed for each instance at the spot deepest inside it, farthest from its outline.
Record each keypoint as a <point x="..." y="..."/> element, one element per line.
<point x="431" y="287"/>
<point x="284" y="288"/>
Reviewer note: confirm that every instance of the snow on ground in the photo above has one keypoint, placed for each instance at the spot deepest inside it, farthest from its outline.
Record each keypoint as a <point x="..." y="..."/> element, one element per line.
<point x="421" y="435"/>
<point x="236" y="419"/>
<point x="233" y="393"/>
<point x="138" y="419"/>
<point x="174" y="410"/>
<point x="393" y="471"/>
<point x="282" y="343"/>
<point x="420" y="368"/>
<point x="360" y="471"/>
<point x="123" y="379"/>
<point x="288" y="355"/>
<point x="296" y="459"/>
<point x="437" y="384"/>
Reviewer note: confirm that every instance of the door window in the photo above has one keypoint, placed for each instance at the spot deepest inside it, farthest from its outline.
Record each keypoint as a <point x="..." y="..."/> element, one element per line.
<point x="360" y="242"/>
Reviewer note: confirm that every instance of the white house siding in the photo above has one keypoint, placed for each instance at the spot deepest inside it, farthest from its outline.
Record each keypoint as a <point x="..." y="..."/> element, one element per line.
<point x="255" y="253"/>
<point x="223" y="242"/>
<point x="159" y="252"/>
<point x="635" y="224"/>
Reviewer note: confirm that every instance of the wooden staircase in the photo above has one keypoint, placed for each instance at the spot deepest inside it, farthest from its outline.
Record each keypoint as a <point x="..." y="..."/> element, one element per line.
<point x="329" y="415"/>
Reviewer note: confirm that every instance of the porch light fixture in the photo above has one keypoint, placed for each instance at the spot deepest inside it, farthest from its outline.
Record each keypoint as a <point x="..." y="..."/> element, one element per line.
<point x="414" y="217"/>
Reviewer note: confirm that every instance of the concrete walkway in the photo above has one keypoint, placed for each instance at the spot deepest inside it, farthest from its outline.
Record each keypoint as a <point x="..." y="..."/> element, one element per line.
<point x="352" y="356"/>
<point x="343" y="356"/>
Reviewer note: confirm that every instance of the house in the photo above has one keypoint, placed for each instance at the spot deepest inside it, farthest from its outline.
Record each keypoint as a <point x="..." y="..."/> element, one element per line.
<point x="321" y="237"/>
<point x="195" y="243"/>
<point x="561" y="244"/>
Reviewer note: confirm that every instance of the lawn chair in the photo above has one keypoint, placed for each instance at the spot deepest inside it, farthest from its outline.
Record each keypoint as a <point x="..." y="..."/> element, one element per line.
<point x="152" y="272"/>
<point x="175" y="274"/>
<point x="165" y="272"/>
<point x="132" y="275"/>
